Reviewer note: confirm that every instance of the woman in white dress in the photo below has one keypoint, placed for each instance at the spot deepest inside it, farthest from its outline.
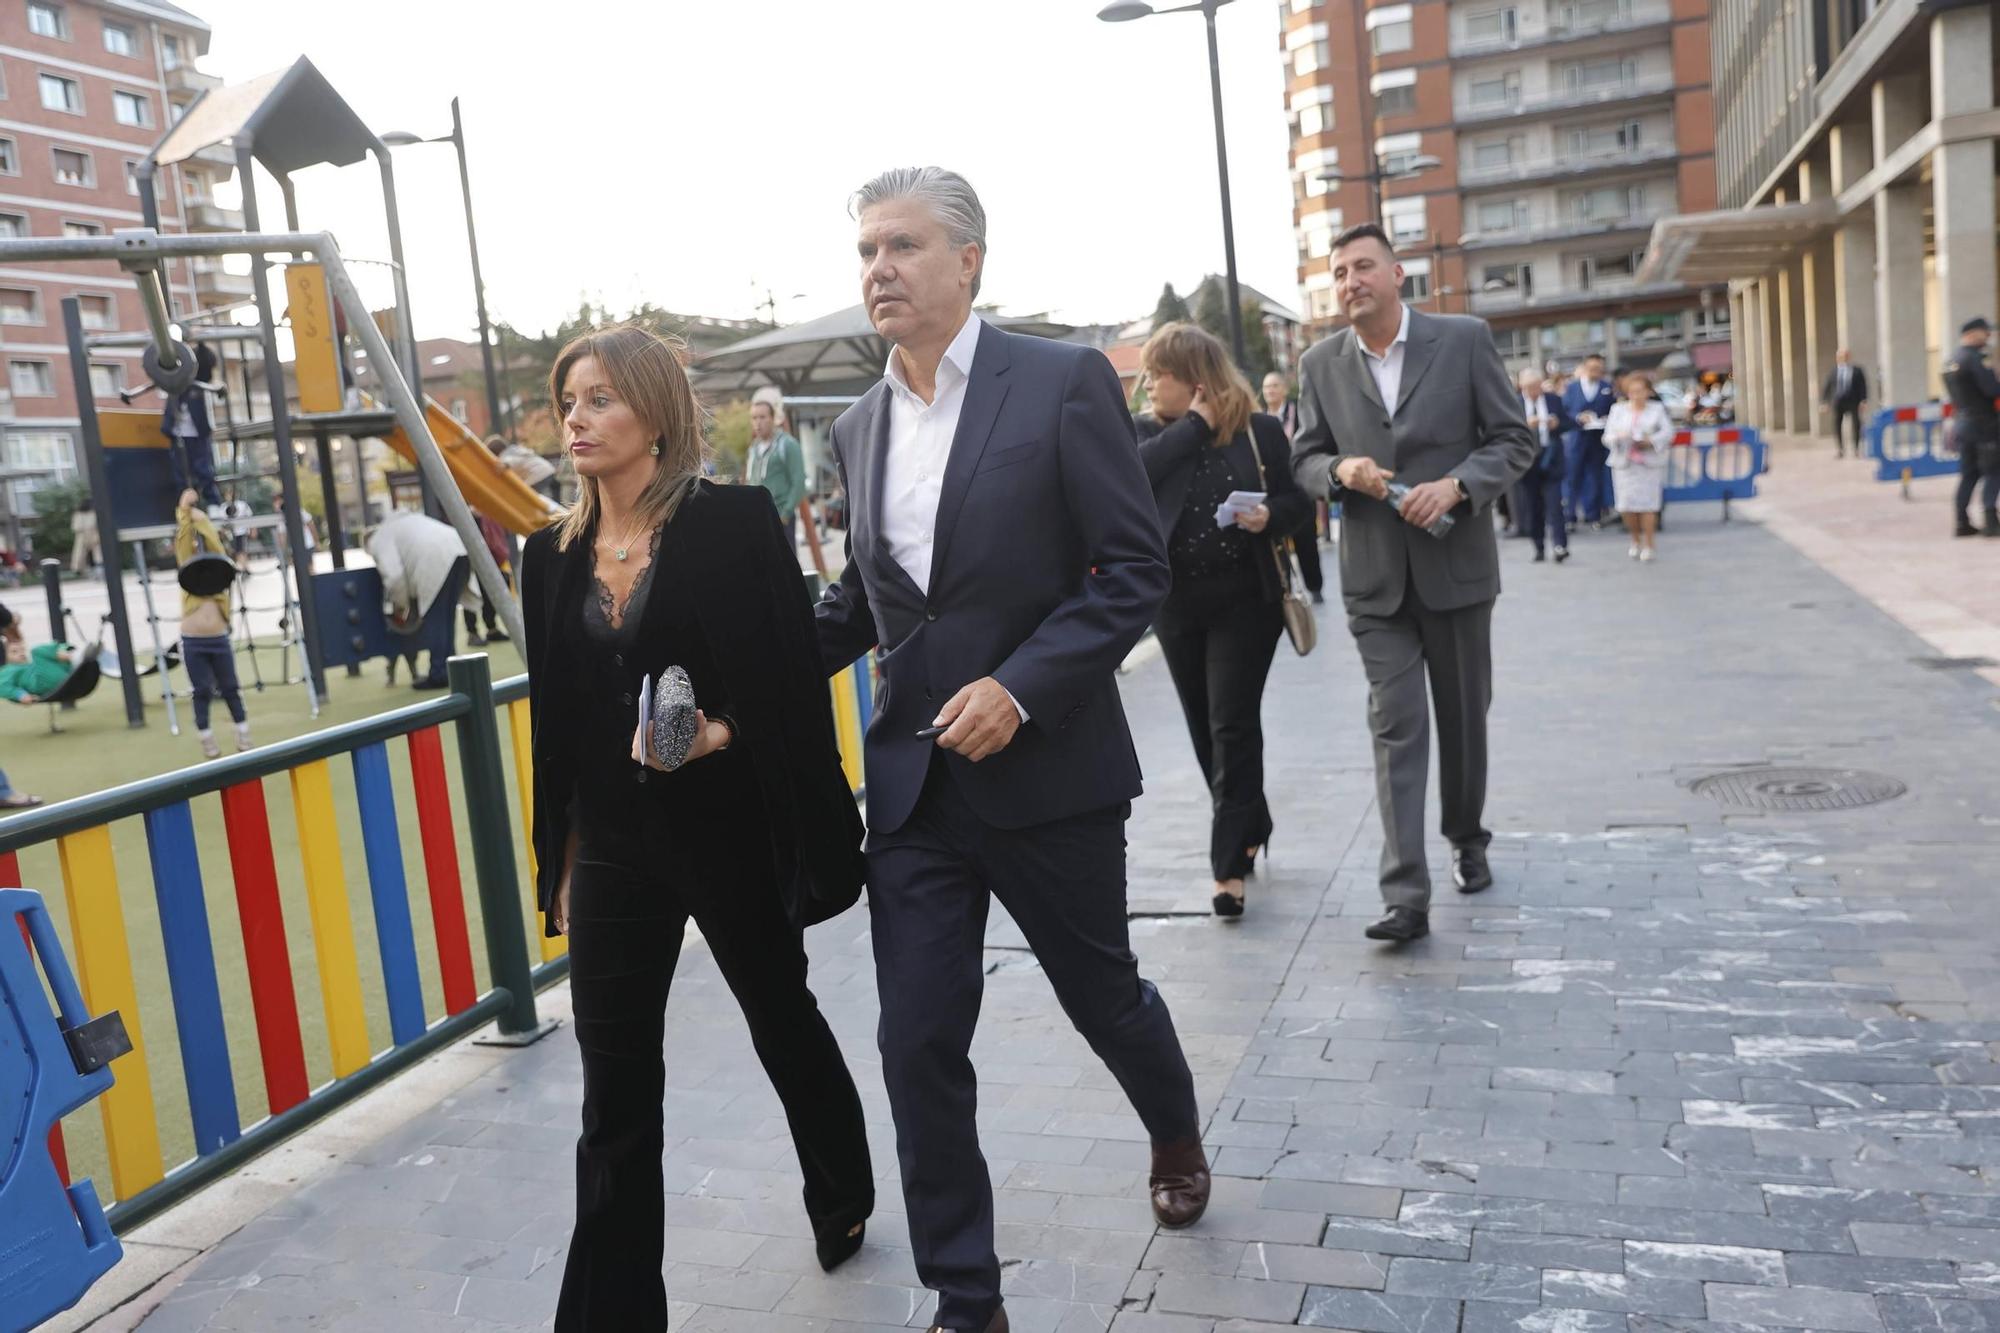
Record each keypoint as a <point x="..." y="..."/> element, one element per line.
<point x="1638" y="434"/>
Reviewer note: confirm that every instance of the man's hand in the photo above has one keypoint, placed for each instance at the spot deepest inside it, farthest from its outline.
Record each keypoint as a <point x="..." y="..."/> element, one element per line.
<point x="1256" y="520"/>
<point x="1427" y="503"/>
<point x="979" y="721"/>
<point x="1363" y="475"/>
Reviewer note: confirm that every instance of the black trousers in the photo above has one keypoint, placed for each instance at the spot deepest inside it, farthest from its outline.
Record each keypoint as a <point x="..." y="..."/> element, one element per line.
<point x="1064" y="885"/>
<point x="1541" y="510"/>
<point x="627" y="916"/>
<point x="1842" y="416"/>
<point x="1218" y="642"/>
<point x="1306" y="542"/>
<point x="1977" y="463"/>
<point x="211" y="671"/>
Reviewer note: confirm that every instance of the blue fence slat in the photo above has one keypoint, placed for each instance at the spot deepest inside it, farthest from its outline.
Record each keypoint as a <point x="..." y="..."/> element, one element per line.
<point x="864" y="690"/>
<point x="1914" y="441"/>
<point x="1721" y="470"/>
<point x="394" y="934"/>
<point x="191" y="976"/>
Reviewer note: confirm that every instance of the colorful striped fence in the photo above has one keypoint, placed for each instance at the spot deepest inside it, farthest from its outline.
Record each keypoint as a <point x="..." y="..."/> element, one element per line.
<point x="142" y="1182"/>
<point x="366" y="753"/>
<point x="1912" y="441"/>
<point x="1714" y="463"/>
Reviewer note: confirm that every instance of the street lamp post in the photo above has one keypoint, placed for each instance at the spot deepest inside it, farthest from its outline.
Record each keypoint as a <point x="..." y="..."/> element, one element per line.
<point x="401" y="138"/>
<point x="1123" y="11"/>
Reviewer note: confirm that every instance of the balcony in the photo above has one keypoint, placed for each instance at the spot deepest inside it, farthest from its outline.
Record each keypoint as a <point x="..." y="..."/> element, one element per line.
<point x="214" y="285"/>
<point x="219" y="155"/>
<point x="1555" y="168"/>
<point x="1534" y="231"/>
<point x="214" y="217"/>
<point x="1555" y="35"/>
<point x="1512" y="299"/>
<point x="1567" y="99"/>
<point x="189" y="81"/>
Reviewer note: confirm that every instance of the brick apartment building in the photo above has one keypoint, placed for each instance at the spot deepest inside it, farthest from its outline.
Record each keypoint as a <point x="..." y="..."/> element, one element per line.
<point x="86" y="88"/>
<point x="1524" y="149"/>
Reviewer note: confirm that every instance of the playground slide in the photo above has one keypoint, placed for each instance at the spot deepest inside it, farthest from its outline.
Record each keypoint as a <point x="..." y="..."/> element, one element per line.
<point x="482" y="478"/>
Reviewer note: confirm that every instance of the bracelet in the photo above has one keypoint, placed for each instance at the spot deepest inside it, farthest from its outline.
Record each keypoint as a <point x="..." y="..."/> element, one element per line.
<point x="729" y="723"/>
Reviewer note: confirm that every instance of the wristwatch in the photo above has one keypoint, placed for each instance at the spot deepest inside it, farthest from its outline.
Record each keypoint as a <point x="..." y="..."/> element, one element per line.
<point x="1463" y="494"/>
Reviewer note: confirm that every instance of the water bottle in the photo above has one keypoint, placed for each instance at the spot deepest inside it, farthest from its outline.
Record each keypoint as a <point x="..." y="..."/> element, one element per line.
<point x="1398" y="492"/>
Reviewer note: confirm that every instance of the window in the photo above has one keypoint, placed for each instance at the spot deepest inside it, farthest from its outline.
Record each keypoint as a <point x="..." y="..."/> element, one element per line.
<point x="1315" y="118"/>
<point x="96" y="311"/>
<point x="1310" y="57"/>
<point x="31" y="379"/>
<point x="105" y="380"/>
<point x="48" y="21"/>
<point x="1390" y="38"/>
<point x="1649" y="329"/>
<point x="1398" y="99"/>
<point x="10" y="163"/>
<point x="1416" y="279"/>
<point x="460" y="409"/>
<point x="1497" y="90"/>
<point x="170" y="50"/>
<point x="1586" y="14"/>
<point x="12" y="226"/>
<point x="1502" y="215"/>
<point x="1405" y="219"/>
<point x="73" y="167"/>
<point x="175" y="110"/>
<point x="1512" y="343"/>
<point x="20" y="305"/>
<point x="1607" y="203"/>
<point x="1492" y="27"/>
<point x="1603" y="140"/>
<point x="60" y="94"/>
<point x="1609" y="270"/>
<point x="73" y="228"/>
<point x="131" y="176"/>
<point x="1712" y="322"/>
<point x="1603" y="72"/>
<point x="120" y="40"/>
<point x="1495" y="153"/>
<point x="1516" y="278"/>
<point x="131" y="109"/>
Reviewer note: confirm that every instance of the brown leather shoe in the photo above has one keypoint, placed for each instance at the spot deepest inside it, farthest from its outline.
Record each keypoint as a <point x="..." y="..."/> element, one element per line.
<point x="1180" y="1183"/>
<point x="997" y="1324"/>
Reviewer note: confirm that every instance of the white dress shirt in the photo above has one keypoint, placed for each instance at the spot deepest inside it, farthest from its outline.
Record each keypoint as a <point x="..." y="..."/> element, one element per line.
<point x="1388" y="367"/>
<point x="1538" y="412"/>
<point x="920" y="436"/>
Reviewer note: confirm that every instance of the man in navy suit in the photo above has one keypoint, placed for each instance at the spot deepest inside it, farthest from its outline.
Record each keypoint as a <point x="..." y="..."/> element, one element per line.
<point x="1540" y="491"/>
<point x="1004" y="553"/>
<point x="1587" y="402"/>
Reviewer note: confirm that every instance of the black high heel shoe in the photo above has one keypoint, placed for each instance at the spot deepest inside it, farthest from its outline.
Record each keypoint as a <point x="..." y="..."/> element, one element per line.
<point x="1228" y="906"/>
<point x="838" y="1248"/>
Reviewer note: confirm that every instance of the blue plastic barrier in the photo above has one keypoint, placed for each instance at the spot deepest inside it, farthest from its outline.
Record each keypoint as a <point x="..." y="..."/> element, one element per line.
<point x="1714" y="463"/>
<point x="1908" y="442"/>
<point x="54" y="1242"/>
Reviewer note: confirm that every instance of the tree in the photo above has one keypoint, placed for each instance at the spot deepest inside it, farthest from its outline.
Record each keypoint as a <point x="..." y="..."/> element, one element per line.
<point x="1211" y="309"/>
<point x="1171" y="309"/>
<point x="49" y="532"/>
<point x="1259" y="360"/>
<point x="729" y="436"/>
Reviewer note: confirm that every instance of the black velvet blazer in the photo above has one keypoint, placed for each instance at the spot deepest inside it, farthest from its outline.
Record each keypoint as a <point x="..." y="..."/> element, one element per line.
<point x="757" y="618"/>
<point x="1170" y="452"/>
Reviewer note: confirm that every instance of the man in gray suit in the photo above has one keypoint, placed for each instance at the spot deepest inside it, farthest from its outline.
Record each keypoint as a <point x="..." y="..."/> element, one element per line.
<point x="1423" y="399"/>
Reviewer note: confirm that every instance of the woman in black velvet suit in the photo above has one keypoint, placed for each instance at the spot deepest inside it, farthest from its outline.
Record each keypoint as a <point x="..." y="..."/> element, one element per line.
<point x="754" y="836"/>
<point x="1220" y="624"/>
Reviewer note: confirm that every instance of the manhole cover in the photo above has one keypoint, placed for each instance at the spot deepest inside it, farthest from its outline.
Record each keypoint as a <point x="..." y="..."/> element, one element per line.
<point x="1800" y="788"/>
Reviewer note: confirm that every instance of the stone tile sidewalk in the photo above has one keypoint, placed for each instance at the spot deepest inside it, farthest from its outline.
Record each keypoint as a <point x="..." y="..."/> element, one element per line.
<point x="1687" y="1067"/>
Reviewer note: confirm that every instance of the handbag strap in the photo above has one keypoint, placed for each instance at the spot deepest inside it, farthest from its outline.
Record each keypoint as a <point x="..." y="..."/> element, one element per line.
<point x="1281" y="547"/>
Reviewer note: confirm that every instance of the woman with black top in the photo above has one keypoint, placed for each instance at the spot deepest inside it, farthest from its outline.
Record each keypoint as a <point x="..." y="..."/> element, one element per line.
<point x="1220" y="624"/>
<point x="753" y="832"/>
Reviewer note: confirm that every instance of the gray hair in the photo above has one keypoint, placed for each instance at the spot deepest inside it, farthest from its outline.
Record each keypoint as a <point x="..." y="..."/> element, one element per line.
<point x="948" y="195"/>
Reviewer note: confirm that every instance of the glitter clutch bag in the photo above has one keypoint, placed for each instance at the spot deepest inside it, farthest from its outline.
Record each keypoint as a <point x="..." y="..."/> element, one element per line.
<point x="668" y="718"/>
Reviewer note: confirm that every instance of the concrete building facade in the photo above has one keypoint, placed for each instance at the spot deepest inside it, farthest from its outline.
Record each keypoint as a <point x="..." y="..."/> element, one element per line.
<point x="1856" y="153"/>
<point x="1518" y="151"/>
<point x="86" y="88"/>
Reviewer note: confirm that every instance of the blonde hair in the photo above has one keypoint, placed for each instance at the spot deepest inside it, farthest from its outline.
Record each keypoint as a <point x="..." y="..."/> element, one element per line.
<point x="1195" y="356"/>
<point x="646" y="370"/>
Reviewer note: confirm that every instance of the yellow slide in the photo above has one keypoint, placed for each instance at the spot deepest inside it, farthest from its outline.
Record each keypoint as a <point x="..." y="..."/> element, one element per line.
<point x="483" y="479"/>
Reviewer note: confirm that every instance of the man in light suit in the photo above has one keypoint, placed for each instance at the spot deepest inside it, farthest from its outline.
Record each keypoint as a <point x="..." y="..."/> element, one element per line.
<point x="1004" y="552"/>
<point x="1423" y="399"/>
<point x="1587" y="403"/>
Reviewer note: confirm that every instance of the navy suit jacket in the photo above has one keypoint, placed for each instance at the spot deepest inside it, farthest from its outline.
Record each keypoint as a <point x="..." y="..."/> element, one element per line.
<point x="1575" y="404"/>
<point x="1549" y="458"/>
<point x="1047" y="566"/>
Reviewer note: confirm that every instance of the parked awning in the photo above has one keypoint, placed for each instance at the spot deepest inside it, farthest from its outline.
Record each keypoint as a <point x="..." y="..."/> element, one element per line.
<point x="1703" y="248"/>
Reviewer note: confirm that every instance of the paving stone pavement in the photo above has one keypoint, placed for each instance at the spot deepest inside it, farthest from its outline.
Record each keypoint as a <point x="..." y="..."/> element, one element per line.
<point x="1684" y="1068"/>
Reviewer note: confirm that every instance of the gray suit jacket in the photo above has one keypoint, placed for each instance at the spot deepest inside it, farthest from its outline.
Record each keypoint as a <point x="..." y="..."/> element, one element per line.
<point x="1458" y="416"/>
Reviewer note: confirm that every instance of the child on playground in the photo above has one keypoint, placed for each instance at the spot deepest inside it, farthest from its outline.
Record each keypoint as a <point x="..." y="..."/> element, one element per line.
<point x="206" y="651"/>
<point x="28" y="675"/>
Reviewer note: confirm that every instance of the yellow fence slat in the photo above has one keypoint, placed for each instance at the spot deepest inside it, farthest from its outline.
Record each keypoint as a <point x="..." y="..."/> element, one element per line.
<point x="520" y="727"/>
<point x="847" y="724"/>
<point x="104" y="965"/>
<point x="332" y="920"/>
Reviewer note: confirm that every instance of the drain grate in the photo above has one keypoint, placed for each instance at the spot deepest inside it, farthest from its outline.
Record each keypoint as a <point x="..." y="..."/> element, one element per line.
<point x="1799" y="788"/>
<point x="1954" y="663"/>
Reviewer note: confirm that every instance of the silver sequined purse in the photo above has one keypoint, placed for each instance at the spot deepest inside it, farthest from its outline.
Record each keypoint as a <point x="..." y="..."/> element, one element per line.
<point x="673" y="718"/>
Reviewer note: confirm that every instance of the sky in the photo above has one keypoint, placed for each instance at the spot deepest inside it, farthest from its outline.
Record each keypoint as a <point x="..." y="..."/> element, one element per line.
<point x="699" y="154"/>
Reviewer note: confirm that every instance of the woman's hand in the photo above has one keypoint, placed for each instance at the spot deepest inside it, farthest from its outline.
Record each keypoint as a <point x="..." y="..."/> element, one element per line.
<point x="1256" y="520"/>
<point x="709" y="736"/>
<point x="561" y="911"/>
<point x="1201" y="407"/>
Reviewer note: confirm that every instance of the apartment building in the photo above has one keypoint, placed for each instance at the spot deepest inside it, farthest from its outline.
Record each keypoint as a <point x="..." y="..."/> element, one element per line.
<point x="86" y="88"/>
<point x="1519" y="152"/>
<point x="1857" y="143"/>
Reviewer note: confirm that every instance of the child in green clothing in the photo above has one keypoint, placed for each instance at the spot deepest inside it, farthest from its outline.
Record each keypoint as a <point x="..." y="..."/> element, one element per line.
<point x="30" y="675"/>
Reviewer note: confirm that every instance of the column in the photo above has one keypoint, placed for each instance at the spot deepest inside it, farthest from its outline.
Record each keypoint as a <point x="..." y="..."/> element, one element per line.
<point x="1962" y="195"/>
<point x="1852" y="150"/>
<point x="1611" y="340"/>
<point x="1743" y="334"/>
<point x="1817" y="284"/>
<point x="1767" y="353"/>
<point x="1896" y="111"/>
<point x="1794" y="376"/>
